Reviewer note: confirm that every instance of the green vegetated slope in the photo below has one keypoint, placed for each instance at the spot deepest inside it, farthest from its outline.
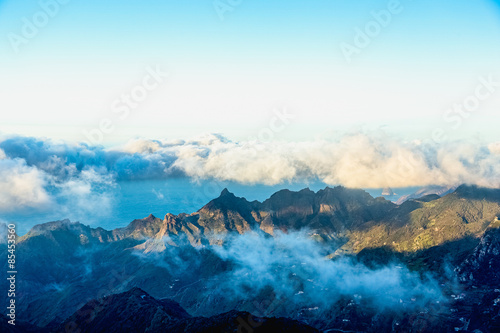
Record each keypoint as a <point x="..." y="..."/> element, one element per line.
<point x="431" y="229"/>
<point x="67" y="264"/>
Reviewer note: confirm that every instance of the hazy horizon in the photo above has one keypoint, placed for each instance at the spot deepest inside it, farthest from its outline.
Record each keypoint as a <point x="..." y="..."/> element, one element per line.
<point x="176" y="70"/>
<point x="111" y="111"/>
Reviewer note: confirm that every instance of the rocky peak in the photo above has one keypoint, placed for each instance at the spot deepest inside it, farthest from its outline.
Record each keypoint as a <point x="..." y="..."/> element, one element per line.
<point x="143" y="228"/>
<point x="473" y="192"/>
<point x="227" y="201"/>
<point x="225" y="193"/>
<point x="286" y="199"/>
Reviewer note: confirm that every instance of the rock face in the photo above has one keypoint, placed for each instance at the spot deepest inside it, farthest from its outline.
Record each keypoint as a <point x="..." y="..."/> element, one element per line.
<point x="136" y="311"/>
<point x="477" y="307"/>
<point x="64" y="264"/>
<point x="482" y="266"/>
<point x="332" y="211"/>
<point x="387" y="191"/>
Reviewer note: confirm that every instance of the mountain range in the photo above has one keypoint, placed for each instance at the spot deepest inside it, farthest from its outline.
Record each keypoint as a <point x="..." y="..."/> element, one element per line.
<point x="327" y="260"/>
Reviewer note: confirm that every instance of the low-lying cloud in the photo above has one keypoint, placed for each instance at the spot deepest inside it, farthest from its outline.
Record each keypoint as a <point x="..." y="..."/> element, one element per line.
<point x="283" y="275"/>
<point x="22" y="185"/>
<point x="39" y="175"/>
<point x="32" y="170"/>
<point x="296" y="269"/>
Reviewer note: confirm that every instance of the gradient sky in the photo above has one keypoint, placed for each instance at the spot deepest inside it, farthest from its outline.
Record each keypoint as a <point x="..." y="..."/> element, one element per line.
<point x="227" y="76"/>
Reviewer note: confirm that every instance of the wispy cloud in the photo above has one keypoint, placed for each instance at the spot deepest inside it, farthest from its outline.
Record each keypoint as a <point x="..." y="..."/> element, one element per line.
<point x="296" y="268"/>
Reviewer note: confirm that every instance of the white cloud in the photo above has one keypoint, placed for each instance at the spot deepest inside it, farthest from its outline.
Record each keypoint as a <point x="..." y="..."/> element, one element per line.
<point x="245" y="163"/>
<point x="285" y="259"/>
<point x="22" y="186"/>
<point x="40" y="175"/>
<point x="494" y="148"/>
<point x="86" y="194"/>
<point x="141" y="146"/>
<point x="354" y="161"/>
<point x="35" y="173"/>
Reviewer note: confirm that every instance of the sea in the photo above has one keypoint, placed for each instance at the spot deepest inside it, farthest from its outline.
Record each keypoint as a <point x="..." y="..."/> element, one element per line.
<point x="137" y="199"/>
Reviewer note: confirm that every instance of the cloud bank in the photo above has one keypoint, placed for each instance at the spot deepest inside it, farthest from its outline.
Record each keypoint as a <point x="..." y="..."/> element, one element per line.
<point x="40" y="175"/>
<point x="296" y="269"/>
<point x="33" y="170"/>
<point x="288" y="274"/>
<point x="21" y="185"/>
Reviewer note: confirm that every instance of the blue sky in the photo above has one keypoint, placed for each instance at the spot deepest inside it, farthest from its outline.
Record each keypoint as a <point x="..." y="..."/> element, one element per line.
<point x="227" y="76"/>
<point x="104" y="104"/>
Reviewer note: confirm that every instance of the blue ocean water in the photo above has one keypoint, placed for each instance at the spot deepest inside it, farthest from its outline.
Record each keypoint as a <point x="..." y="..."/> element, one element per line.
<point x="137" y="199"/>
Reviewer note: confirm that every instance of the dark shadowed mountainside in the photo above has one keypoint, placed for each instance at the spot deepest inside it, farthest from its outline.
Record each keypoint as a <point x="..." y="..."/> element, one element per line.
<point x="137" y="311"/>
<point x="336" y="259"/>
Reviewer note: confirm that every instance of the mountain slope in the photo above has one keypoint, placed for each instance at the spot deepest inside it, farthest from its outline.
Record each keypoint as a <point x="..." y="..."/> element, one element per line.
<point x="136" y="311"/>
<point x="66" y="264"/>
<point x="131" y="311"/>
<point x="418" y="225"/>
<point x="481" y="267"/>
